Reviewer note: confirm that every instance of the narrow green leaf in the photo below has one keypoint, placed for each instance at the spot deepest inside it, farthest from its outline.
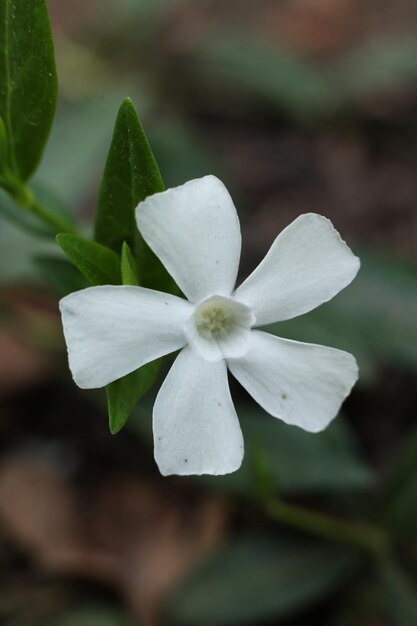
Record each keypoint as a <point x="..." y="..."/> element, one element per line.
<point x="28" y="82"/>
<point x="123" y="394"/>
<point x="259" y="577"/>
<point x="131" y="174"/>
<point x="100" y="265"/>
<point x="129" y="267"/>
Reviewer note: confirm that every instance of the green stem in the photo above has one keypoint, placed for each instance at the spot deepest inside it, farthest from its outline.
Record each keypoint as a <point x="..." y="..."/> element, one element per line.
<point x="358" y="534"/>
<point x="27" y="201"/>
<point x="59" y="224"/>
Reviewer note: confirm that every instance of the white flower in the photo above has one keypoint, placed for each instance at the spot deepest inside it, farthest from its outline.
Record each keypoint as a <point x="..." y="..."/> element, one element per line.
<point x="194" y="230"/>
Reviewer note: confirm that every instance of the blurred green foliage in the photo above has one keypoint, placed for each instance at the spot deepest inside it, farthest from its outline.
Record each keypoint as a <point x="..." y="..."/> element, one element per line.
<point x="263" y="573"/>
<point x="259" y="576"/>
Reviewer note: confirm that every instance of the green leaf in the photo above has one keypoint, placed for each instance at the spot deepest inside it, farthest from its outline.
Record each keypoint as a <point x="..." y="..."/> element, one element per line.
<point x="123" y="394"/>
<point x="129" y="267"/>
<point x="260" y="576"/>
<point x="28" y="82"/>
<point x="297" y="461"/>
<point x="97" y="263"/>
<point x="3" y="145"/>
<point x="131" y="174"/>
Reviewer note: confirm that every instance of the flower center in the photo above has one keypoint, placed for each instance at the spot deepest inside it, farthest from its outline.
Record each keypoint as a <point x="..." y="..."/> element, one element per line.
<point x="213" y="319"/>
<point x="219" y="328"/>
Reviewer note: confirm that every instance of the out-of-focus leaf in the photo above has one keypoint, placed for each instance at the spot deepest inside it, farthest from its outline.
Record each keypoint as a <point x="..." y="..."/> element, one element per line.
<point x="270" y="72"/>
<point x="400" y="506"/>
<point x="375" y="318"/>
<point x="297" y="461"/>
<point x="123" y="394"/>
<point x="406" y="465"/>
<point x="17" y="249"/>
<point x="181" y="152"/>
<point x="27" y="220"/>
<point x="381" y="64"/>
<point x="260" y="576"/>
<point x="28" y="82"/>
<point x="60" y="275"/>
<point x="23" y="219"/>
<point x="137" y="19"/>
<point x="131" y="174"/>
<point x="76" y="150"/>
<point x="92" y="616"/>
<point x="100" y="265"/>
<point x="399" y="592"/>
<point x="128" y="266"/>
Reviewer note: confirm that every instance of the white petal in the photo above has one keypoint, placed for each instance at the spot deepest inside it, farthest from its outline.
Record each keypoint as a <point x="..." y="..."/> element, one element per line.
<point x="195" y="232"/>
<point x="307" y="264"/>
<point x="196" y="430"/>
<point x="301" y="383"/>
<point x="112" y="330"/>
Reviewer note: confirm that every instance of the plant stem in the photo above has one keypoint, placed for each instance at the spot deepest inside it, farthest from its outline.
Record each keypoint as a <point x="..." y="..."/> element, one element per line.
<point x="57" y="222"/>
<point x="359" y="534"/>
<point x="27" y="201"/>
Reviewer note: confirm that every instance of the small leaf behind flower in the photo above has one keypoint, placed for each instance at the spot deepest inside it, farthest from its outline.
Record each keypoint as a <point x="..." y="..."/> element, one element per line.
<point x="129" y="267"/>
<point x="100" y="265"/>
<point x="123" y="394"/>
<point x="28" y="82"/>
